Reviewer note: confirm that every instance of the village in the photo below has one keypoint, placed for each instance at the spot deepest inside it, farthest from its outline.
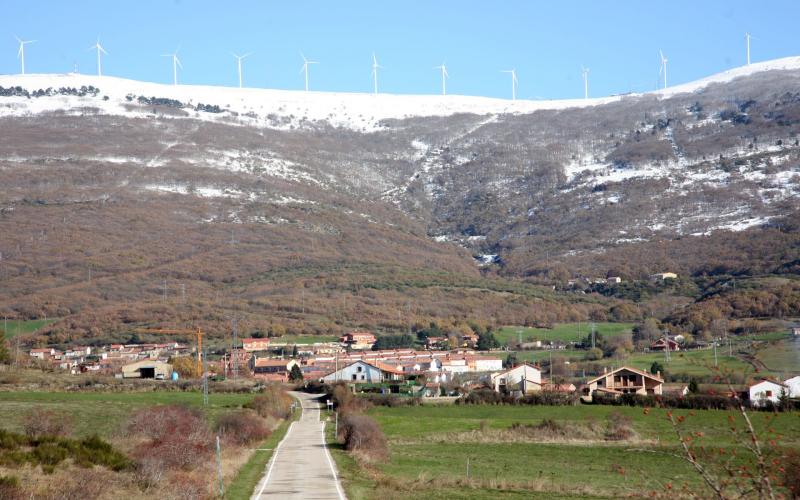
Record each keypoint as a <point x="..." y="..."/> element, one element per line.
<point x="433" y="372"/>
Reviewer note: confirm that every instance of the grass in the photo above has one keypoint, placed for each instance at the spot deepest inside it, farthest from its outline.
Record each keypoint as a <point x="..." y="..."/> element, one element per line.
<point x="425" y="461"/>
<point x="23" y="327"/>
<point x="564" y="332"/>
<point x="782" y="356"/>
<point x="696" y="362"/>
<point x="104" y="413"/>
<point x="246" y="480"/>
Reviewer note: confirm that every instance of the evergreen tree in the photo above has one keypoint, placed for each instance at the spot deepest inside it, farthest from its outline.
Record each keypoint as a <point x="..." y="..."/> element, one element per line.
<point x="294" y="352"/>
<point x="296" y="374"/>
<point x="487" y="341"/>
<point x="5" y="356"/>
<point x="656" y="367"/>
<point x="693" y="388"/>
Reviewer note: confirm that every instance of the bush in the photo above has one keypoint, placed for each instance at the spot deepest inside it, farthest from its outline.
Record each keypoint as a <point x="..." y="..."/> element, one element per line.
<point x="179" y="438"/>
<point x="40" y="423"/>
<point x="10" y="488"/>
<point x="272" y="402"/>
<point x="618" y="427"/>
<point x="242" y="428"/>
<point x="346" y="401"/>
<point x="363" y="437"/>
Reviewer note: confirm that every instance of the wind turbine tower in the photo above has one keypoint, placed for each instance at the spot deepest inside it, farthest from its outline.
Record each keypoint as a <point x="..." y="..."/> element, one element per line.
<point x="585" y="73"/>
<point x="175" y="64"/>
<point x="306" y="62"/>
<point x="747" y="37"/>
<point x="663" y="67"/>
<point x="514" y="82"/>
<point x="239" y="65"/>
<point x="445" y="76"/>
<point x="375" y="67"/>
<point x="100" y="50"/>
<point x="21" y="52"/>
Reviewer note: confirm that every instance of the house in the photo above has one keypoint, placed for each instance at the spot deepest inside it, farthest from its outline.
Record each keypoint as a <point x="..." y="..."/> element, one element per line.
<point x="361" y="372"/>
<point x="433" y="343"/>
<point x="358" y="340"/>
<point x="662" y="344"/>
<point x="486" y="364"/>
<point x="253" y="345"/>
<point x="613" y="280"/>
<point x="553" y="387"/>
<point x="625" y="380"/>
<point x="796" y="331"/>
<point x="470" y="340"/>
<point x="148" y="369"/>
<point x="520" y="380"/>
<point x="272" y="369"/>
<point x="766" y="390"/>
<point x="663" y="276"/>
<point x="794" y="386"/>
<point x="43" y="353"/>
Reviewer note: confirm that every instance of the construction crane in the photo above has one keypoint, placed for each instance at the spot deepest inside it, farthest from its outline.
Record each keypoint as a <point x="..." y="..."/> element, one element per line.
<point x="198" y="333"/>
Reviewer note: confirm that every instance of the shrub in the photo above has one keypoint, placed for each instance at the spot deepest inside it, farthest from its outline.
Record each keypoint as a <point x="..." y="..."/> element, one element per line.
<point x="179" y="438"/>
<point x="40" y="423"/>
<point x="346" y="401"/>
<point x="10" y="488"/>
<point x="242" y="428"/>
<point x="272" y="402"/>
<point x="618" y="427"/>
<point x="363" y="437"/>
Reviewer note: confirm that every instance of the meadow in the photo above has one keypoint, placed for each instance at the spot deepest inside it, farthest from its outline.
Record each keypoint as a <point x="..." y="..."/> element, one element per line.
<point x="434" y="448"/>
<point x="104" y="413"/>
<point x="563" y="332"/>
<point x="13" y="327"/>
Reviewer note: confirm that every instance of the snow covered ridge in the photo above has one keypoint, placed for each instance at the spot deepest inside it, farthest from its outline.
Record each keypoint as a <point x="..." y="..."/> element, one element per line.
<point x="286" y="108"/>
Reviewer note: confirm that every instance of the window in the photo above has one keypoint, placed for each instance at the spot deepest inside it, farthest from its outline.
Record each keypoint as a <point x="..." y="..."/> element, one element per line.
<point x="355" y="377"/>
<point x="768" y="394"/>
<point x="359" y="369"/>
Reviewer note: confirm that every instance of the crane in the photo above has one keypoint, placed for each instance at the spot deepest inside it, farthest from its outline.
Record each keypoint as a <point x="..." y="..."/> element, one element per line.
<point x="179" y="331"/>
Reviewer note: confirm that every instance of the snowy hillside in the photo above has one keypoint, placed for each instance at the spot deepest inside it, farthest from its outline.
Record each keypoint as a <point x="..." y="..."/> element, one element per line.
<point x="285" y="109"/>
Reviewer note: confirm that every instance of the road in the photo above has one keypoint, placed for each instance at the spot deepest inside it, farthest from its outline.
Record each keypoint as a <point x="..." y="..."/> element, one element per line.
<point x="301" y="466"/>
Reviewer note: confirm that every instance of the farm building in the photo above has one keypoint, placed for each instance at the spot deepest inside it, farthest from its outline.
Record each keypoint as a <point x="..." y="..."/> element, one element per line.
<point x="794" y="386"/>
<point x="361" y="372"/>
<point x="149" y="368"/>
<point x="272" y="369"/>
<point x="358" y="340"/>
<point x="663" y="344"/>
<point x="253" y="345"/>
<point x="766" y="390"/>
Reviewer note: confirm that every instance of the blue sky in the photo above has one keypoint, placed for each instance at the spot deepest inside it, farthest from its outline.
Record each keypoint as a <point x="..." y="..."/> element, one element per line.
<point x="546" y="42"/>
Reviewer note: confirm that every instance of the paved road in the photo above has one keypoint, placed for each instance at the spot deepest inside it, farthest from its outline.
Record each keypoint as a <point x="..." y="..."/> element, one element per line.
<point x="301" y="466"/>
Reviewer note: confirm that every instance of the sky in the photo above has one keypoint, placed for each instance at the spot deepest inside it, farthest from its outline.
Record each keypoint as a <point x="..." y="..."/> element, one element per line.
<point x="546" y="42"/>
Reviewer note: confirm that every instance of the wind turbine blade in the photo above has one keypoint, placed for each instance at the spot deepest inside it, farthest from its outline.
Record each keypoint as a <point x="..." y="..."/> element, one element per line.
<point x="18" y="38"/>
<point x="247" y="55"/>
<point x="303" y="56"/>
<point x="178" y="61"/>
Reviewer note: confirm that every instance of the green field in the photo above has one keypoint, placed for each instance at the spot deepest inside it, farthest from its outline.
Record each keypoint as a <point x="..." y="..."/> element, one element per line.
<point x="22" y="327"/>
<point x="782" y="356"/>
<point x="431" y="445"/>
<point x="104" y="413"/>
<point x="695" y="362"/>
<point x="564" y="332"/>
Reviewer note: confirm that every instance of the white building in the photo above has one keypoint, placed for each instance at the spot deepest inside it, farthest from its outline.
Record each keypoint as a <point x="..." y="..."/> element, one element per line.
<point x="794" y="386"/>
<point x="486" y="364"/>
<point x="361" y="372"/>
<point x="522" y="379"/>
<point x="766" y="390"/>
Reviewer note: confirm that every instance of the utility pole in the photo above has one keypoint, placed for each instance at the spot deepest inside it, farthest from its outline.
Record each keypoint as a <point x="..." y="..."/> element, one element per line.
<point x="234" y="346"/>
<point x="666" y="346"/>
<point x="715" y="352"/>
<point x="219" y="470"/>
<point x="165" y="291"/>
<point x="205" y="377"/>
<point x="183" y="292"/>
<point x="593" y="336"/>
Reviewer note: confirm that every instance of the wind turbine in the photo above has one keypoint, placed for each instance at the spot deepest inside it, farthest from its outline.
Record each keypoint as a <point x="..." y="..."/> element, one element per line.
<point x="239" y="65"/>
<point x="21" y="52"/>
<point x="747" y="37"/>
<point x="175" y="64"/>
<point x="100" y="50"/>
<point x="663" y="67"/>
<point x="306" y="62"/>
<point x="443" y="68"/>
<point x="585" y="73"/>
<point x="514" y="82"/>
<point x="375" y="67"/>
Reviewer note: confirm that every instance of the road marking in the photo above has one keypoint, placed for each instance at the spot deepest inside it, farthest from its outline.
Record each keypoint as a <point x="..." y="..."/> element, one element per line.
<point x="274" y="457"/>
<point x="330" y="461"/>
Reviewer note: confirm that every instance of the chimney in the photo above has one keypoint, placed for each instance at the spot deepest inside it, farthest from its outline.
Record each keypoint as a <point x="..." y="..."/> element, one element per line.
<point x="605" y="370"/>
<point x="658" y="374"/>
